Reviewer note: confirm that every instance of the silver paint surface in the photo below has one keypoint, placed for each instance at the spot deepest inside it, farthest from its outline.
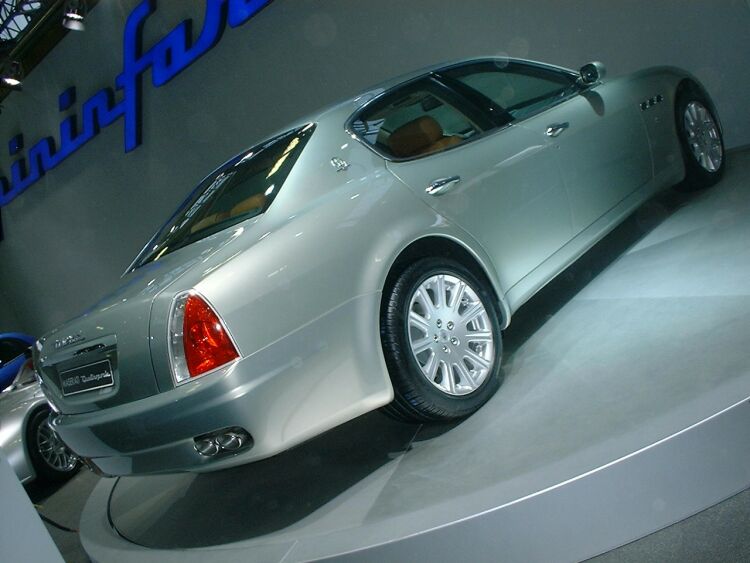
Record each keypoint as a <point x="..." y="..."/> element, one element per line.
<point x="299" y="287"/>
<point x="16" y="408"/>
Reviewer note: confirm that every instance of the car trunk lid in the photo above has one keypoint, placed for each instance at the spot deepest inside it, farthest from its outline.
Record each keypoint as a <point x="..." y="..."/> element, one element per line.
<point x="103" y="358"/>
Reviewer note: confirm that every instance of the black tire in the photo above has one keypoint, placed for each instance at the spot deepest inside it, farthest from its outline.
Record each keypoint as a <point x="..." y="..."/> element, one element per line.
<point x="697" y="177"/>
<point x="44" y="469"/>
<point x="416" y="398"/>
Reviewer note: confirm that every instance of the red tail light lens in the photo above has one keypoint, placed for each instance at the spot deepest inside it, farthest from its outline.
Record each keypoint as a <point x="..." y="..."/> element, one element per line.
<point x="206" y="344"/>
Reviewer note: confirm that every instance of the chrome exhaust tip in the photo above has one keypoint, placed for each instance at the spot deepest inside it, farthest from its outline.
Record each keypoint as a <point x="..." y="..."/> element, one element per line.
<point x="207" y="447"/>
<point x="226" y="440"/>
<point x="231" y="441"/>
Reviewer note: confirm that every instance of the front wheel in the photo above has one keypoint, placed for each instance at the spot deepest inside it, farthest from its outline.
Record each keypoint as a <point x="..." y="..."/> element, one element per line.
<point x="440" y="332"/>
<point x="701" y="141"/>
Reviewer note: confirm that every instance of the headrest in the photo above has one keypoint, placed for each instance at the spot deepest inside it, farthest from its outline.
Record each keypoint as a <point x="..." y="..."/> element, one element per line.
<point x="415" y="136"/>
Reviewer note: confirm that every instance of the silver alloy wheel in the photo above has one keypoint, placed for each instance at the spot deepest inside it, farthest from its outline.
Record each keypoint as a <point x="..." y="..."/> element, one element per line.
<point x="52" y="449"/>
<point x="703" y="136"/>
<point x="450" y="334"/>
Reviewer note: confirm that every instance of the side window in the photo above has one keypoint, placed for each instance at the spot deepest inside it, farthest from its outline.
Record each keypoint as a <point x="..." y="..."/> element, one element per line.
<point x="243" y="188"/>
<point x="417" y="120"/>
<point x="10" y="349"/>
<point x="521" y="90"/>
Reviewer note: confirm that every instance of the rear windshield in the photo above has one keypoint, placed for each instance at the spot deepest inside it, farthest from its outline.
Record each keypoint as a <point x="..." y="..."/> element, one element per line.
<point x="241" y="189"/>
<point x="10" y="349"/>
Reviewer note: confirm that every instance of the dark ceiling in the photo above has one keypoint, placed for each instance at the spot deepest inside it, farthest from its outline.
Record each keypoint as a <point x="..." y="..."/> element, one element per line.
<point x="29" y="29"/>
<point x="17" y="19"/>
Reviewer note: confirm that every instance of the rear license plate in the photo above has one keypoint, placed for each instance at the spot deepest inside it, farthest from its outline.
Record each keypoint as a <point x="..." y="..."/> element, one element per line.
<point x="87" y="378"/>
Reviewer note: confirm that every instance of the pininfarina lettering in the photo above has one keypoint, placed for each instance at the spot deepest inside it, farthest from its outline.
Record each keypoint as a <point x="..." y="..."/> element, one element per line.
<point x="166" y="59"/>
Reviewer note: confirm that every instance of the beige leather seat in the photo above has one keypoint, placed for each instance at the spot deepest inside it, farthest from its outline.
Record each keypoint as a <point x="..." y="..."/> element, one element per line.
<point x="420" y="136"/>
<point x="206" y="222"/>
<point x="256" y="201"/>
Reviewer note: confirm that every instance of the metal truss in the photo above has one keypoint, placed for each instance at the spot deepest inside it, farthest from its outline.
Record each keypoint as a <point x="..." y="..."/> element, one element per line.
<point x="15" y="16"/>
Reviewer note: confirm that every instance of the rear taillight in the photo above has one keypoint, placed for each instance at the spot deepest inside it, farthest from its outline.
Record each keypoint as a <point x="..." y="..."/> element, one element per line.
<point x="198" y="340"/>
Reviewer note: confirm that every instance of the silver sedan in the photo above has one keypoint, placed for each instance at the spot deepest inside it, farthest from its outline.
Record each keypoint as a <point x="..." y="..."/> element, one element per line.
<point x="33" y="449"/>
<point x="367" y="256"/>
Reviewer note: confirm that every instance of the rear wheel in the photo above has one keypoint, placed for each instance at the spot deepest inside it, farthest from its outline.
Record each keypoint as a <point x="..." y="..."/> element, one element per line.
<point x="51" y="458"/>
<point x="440" y="331"/>
<point x="702" y="143"/>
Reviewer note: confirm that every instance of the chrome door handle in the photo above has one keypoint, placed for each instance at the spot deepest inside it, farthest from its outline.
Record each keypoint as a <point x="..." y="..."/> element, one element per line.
<point x="556" y="128"/>
<point x="442" y="185"/>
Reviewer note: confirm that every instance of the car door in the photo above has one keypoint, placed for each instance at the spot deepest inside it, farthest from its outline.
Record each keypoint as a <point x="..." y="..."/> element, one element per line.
<point x="603" y="149"/>
<point x="500" y="183"/>
<point x="597" y="132"/>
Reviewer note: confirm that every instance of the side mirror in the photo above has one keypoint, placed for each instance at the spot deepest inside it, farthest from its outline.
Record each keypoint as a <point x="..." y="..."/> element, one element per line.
<point x="592" y="73"/>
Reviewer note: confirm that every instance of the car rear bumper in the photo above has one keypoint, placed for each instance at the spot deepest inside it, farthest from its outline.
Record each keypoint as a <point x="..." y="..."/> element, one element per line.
<point x="321" y="375"/>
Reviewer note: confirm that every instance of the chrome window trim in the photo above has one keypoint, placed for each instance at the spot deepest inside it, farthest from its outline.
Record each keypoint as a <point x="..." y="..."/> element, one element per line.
<point x="436" y="72"/>
<point x="551" y="106"/>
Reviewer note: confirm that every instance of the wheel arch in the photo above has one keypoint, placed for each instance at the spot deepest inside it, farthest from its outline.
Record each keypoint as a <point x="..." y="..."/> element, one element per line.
<point x="447" y="247"/>
<point x="690" y="84"/>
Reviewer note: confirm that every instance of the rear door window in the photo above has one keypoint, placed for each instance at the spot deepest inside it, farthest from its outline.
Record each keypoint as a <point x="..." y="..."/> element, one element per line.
<point x="418" y="119"/>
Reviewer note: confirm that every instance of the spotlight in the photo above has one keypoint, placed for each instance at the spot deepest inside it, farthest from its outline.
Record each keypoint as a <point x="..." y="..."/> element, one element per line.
<point x="12" y="76"/>
<point x="74" y="15"/>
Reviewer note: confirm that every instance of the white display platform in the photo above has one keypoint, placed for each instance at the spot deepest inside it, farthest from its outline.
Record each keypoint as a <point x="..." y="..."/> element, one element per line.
<point x="23" y="536"/>
<point x="624" y="409"/>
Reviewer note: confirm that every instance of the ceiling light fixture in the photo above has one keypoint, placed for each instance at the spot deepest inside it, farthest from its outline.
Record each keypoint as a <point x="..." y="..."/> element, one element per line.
<point x="12" y="76"/>
<point x="74" y="15"/>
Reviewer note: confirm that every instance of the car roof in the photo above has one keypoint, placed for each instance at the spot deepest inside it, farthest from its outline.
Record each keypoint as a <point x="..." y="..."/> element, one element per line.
<point x="369" y="93"/>
<point x="346" y="107"/>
